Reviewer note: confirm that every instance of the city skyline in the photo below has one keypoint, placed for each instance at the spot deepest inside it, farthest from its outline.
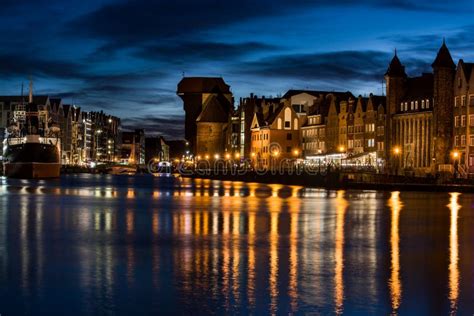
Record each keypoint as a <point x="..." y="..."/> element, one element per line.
<point x="126" y="57"/>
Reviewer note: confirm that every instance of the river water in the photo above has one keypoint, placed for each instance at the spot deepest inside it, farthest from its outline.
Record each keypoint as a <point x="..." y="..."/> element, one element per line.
<point x="92" y="244"/>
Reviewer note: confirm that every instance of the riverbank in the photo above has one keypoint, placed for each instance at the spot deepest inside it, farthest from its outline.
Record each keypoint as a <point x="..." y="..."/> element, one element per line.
<point x="340" y="180"/>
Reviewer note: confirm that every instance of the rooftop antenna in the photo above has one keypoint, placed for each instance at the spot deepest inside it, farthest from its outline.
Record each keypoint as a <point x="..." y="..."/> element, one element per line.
<point x="183" y="74"/>
<point x="30" y="99"/>
<point x="382" y="89"/>
<point x="395" y="51"/>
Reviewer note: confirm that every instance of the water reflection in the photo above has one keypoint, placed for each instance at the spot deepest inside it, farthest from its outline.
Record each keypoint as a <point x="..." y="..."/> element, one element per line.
<point x="341" y="205"/>
<point x="228" y="248"/>
<point x="453" y="253"/>
<point x="395" y="282"/>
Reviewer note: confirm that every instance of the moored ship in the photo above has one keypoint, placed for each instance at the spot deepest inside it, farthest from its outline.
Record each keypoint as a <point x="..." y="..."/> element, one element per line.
<point x="32" y="145"/>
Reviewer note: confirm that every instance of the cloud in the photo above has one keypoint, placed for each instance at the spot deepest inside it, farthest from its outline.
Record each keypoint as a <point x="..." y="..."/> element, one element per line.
<point x="25" y="64"/>
<point x="171" y="127"/>
<point x="334" y="66"/>
<point x="123" y="24"/>
<point x="180" y="52"/>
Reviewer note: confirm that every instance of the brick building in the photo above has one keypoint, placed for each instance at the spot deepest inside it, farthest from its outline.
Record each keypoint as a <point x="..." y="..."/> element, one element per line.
<point x="419" y="121"/>
<point x="464" y="117"/>
<point x="275" y="136"/>
<point x="197" y="93"/>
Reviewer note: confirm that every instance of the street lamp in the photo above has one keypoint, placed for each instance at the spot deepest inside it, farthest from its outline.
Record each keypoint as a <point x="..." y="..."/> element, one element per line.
<point x="296" y="152"/>
<point x="456" y="157"/>
<point x="396" y="152"/>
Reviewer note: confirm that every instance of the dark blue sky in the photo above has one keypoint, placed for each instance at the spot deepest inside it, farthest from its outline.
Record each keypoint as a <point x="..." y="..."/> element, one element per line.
<point x="126" y="57"/>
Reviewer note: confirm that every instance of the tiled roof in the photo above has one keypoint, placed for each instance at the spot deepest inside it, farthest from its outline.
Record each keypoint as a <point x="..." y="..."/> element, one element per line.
<point x="203" y="85"/>
<point x="443" y="58"/>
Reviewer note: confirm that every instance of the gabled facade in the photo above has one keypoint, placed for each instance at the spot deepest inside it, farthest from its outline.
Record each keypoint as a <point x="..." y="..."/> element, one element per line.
<point x="463" y="115"/>
<point x="275" y="136"/>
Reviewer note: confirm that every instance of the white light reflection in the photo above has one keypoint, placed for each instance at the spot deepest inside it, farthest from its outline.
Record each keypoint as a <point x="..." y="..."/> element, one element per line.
<point x="454" y="253"/>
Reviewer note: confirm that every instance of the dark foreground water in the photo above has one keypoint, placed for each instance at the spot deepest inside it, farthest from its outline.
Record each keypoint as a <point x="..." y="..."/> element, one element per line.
<point x="143" y="245"/>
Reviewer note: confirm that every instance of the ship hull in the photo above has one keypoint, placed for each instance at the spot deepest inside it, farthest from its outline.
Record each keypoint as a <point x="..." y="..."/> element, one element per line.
<point x="32" y="170"/>
<point x="32" y="161"/>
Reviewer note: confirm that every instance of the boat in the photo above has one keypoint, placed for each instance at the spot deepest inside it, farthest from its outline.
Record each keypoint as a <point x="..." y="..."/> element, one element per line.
<point x="31" y="148"/>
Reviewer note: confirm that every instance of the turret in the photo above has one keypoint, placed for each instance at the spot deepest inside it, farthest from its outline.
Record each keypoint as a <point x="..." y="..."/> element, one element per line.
<point x="395" y="79"/>
<point x="443" y="95"/>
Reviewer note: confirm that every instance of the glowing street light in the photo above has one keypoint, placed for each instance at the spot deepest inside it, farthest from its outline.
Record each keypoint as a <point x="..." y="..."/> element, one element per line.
<point x="207" y="157"/>
<point x="455" y="154"/>
<point x="252" y="154"/>
<point x="396" y="150"/>
<point x="276" y="153"/>
<point x="341" y="149"/>
<point x="296" y="152"/>
<point x="227" y="156"/>
<point x="237" y="156"/>
<point x="216" y="156"/>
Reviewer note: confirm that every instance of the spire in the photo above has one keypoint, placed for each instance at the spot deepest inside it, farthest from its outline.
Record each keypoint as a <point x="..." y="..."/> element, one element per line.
<point x="395" y="69"/>
<point x="443" y="58"/>
<point x="30" y="99"/>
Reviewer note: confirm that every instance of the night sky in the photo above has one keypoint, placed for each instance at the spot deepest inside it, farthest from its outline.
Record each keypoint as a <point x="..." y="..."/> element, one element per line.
<point x="126" y="57"/>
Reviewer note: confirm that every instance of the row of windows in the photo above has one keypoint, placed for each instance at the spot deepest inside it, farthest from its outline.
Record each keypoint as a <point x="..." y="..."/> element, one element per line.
<point x="461" y="141"/>
<point x="358" y="143"/>
<point x="260" y="136"/>
<point x="461" y="101"/>
<point x="461" y="120"/>
<point x="425" y="104"/>
<point x="314" y="120"/>
<point x="321" y="132"/>
<point x="315" y="146"/>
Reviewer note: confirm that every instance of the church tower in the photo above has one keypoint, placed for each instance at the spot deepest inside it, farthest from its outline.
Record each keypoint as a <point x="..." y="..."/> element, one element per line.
<point x="444" y="72"/>
<point x="395" y="79"/>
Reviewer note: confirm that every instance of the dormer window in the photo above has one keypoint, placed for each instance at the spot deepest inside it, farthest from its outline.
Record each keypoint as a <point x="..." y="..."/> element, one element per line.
<point x="412" y="105"/>
<point x="416" y="105"/>
<point x="422" y="104"/>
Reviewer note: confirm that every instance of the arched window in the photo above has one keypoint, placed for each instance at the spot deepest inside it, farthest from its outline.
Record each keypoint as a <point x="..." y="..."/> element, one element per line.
<point x="279" y="123"/>
<point x="287" y="118"/>
<point x="295" y="123"/>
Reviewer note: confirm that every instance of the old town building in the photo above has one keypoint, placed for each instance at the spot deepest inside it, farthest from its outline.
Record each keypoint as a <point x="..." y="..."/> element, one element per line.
<point x="245" y="114"/>
<point x="419" y="118"/>
<point x="464" y="118"/>
<point x="275" y="136"/>
<point x="211" y="131"/>
<point x="320" y="132"/>
<point x="197" y="93"/>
